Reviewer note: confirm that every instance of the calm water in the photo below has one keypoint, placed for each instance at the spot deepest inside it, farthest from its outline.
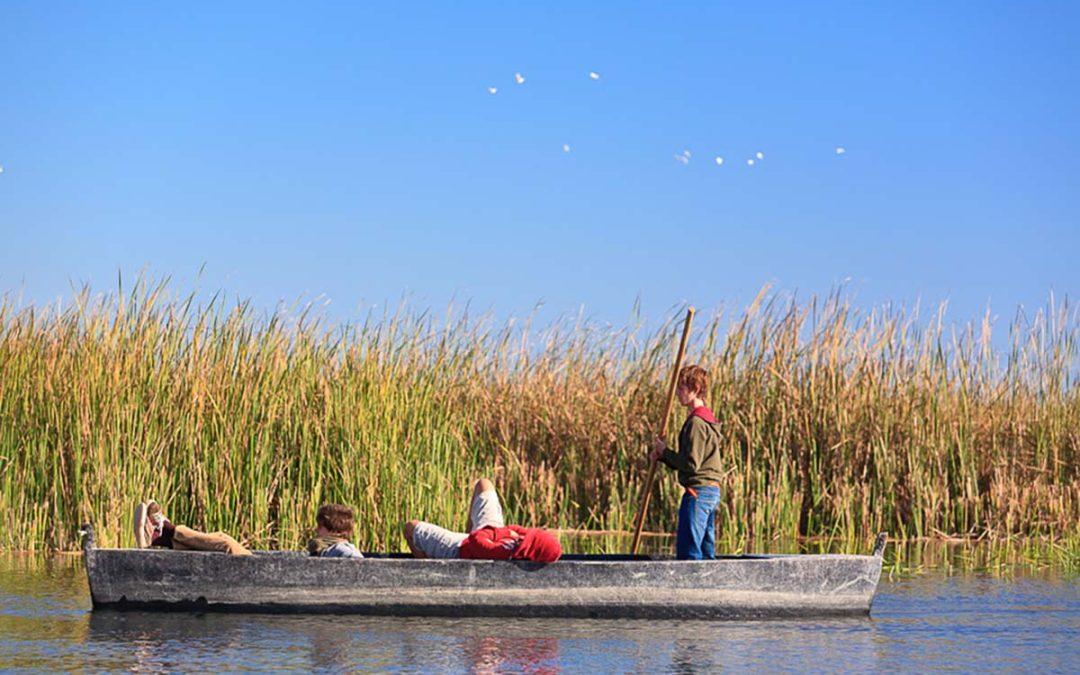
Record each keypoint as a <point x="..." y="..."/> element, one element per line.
<point x="961" y="623"/>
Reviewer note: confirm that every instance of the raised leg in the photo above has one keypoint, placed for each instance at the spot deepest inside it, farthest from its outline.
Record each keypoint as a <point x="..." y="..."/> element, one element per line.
<point x="479" y="487"/>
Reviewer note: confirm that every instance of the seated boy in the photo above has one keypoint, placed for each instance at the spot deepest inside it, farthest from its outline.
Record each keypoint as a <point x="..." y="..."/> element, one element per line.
<point x="488" y="537"/>
<point x="152" y="528"/>
<point x="334" y="529"/>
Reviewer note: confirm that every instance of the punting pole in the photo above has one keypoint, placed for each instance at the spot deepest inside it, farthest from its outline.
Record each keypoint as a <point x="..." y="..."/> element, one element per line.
<point x="640" y="521"/>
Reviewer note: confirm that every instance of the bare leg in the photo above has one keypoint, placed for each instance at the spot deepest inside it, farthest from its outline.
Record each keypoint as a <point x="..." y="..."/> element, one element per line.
<point x="482" y="485"/>
<point x="409" y="528"/>
<point x="185" y="538"/>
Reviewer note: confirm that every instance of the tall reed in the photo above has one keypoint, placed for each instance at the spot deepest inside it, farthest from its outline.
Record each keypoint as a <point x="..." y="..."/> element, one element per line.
<point x="837" y="422"/>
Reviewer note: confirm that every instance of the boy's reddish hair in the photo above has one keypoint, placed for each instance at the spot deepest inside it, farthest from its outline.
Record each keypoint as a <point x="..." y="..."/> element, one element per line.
<point x="695" y="379"/>
<point x="336" y="518"/>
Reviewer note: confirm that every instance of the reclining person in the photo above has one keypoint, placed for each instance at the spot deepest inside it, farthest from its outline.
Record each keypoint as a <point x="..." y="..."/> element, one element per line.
<point x="488" y="536"/>
<point x="152" y="528"/>
<point x="333" y="532"/>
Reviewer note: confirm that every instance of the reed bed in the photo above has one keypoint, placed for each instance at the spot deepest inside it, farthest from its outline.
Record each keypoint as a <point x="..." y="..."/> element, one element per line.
<point x="839" y="423"/>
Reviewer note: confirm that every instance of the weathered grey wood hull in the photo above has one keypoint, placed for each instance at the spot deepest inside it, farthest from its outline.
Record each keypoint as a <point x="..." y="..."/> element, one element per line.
<point x="577" y="586"/>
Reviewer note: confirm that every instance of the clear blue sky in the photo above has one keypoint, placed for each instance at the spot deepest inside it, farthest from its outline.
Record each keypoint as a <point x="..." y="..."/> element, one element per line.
<point x="354" y="152"/>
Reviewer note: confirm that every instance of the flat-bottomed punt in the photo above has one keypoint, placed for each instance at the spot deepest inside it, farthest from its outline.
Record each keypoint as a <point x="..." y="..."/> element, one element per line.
<point x="581" y="586"/>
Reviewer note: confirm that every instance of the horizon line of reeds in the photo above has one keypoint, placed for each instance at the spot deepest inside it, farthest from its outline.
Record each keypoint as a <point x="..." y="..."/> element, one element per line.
<point x="838" y="422"/>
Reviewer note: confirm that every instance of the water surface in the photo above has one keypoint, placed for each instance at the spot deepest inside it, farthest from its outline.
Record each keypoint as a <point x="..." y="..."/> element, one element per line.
<point x="966" y="622"/>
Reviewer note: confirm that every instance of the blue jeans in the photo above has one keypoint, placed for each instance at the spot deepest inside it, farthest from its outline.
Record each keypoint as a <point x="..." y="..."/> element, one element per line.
<point x="696" y="537"/>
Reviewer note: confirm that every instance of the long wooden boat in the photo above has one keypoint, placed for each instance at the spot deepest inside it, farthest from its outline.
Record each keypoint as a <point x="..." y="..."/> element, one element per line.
<point x="583" y="586"/>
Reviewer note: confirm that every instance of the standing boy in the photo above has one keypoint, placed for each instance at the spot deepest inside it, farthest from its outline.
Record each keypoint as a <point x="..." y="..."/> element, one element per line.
<point x="698" y="465"/>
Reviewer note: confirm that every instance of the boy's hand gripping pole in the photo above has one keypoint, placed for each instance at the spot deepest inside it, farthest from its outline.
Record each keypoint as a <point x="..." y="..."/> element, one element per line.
<point x="640" y="521"/>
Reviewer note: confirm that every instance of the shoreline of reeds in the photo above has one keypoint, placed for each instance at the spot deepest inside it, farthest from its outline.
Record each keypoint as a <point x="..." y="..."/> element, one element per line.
<point x="839" y="423"/>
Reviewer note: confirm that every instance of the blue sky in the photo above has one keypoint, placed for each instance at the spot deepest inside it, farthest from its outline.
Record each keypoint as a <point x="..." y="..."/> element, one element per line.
<point x="353" y="152"/>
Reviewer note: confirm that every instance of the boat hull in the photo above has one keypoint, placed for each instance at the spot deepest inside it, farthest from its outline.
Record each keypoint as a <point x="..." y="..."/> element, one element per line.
<point x="577" y="586"/>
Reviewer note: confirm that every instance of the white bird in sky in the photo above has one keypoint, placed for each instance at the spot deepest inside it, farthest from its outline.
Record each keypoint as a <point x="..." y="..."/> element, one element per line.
<point x="683" y="157"/>
<point x="1" y="168"/>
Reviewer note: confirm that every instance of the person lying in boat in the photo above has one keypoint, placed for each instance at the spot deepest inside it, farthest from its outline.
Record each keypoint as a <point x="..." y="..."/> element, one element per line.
<point x="488" y="536"/>
<point x="333" y="532"/>
<point x="152" y="528"/>
<point x="698" y="465"/>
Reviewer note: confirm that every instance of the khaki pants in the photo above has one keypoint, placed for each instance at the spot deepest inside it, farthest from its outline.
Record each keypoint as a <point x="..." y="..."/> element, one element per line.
<point x="187" y="539"/>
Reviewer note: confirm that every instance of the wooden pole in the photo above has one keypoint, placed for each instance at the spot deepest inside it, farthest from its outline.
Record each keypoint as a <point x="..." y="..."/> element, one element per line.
<point x="672" y="386"/>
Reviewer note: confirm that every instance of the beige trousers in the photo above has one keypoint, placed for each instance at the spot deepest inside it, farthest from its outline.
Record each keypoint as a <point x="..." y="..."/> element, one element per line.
<point x="187" y="539"/>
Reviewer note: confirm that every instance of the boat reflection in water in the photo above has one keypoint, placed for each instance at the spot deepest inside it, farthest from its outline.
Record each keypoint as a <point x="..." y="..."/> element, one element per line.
<point x="156" y="641"/>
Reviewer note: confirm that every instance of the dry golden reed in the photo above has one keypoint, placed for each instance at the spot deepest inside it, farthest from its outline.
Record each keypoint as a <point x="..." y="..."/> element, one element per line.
<point x="838" y="423"/>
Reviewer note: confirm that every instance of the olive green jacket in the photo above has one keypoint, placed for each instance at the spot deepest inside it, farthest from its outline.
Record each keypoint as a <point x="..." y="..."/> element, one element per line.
<point x="698" y="458"/>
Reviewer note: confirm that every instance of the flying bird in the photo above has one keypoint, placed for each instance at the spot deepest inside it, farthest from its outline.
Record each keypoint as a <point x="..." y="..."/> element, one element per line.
<point x="749" y="162"/>
<point x="593" y="75"/>
<point x="685" y="159"/>
<point x="493" y="90"/>
<point x="566" y="147"/>
<point x="761" y="155"/>
<point x="519" y="78"/>
<point x="719" y="161"/>
<point x="840" y="151"/>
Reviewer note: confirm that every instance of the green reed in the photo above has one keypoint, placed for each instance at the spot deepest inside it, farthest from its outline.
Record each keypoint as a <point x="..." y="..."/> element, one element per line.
<point x="838" y="423"/>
